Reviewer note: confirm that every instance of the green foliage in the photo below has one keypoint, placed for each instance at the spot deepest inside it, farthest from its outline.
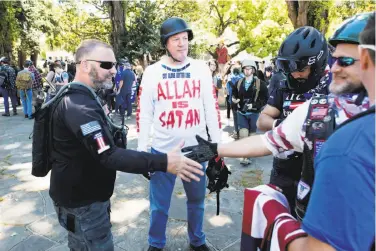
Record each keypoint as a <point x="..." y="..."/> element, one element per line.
<point x="263" y="26"/>
<point x="346" y="9"/>
<point x="318" y="14"/>
<point x="76" y="25"/>
<point x="260" y="25"/>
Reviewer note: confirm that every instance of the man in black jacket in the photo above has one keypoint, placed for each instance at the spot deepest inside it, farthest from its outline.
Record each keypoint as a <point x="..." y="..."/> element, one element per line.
<point x="250" y="94"/>
<point x="85" y="157"/>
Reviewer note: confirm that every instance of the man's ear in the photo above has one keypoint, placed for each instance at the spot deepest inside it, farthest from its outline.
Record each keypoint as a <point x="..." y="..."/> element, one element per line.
<point x="364" y="58"/>
<point x="85" y="66"/>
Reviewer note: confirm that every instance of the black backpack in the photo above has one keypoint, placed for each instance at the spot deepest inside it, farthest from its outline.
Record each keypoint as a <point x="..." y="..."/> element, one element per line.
<point x="4" y="80"/>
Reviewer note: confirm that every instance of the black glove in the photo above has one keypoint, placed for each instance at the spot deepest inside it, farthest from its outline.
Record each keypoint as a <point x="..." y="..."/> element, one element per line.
<point x="202" y="152"/>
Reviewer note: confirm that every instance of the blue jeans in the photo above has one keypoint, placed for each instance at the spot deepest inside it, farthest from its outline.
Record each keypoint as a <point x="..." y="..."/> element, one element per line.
<point x="248" y="121"/>
<point x="89" y="227"/>
<point x="27" y="101"/>
<point x="161" y="187"/>
<point x="12" y="94"/>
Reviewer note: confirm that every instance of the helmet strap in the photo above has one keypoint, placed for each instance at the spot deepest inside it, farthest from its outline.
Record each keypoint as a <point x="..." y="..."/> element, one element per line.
<point x="170" y="55"/>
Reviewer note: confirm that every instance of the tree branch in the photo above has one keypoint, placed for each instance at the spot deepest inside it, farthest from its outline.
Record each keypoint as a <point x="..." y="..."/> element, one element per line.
<point x="233" y="43"/>
<point x="236" y="52"/>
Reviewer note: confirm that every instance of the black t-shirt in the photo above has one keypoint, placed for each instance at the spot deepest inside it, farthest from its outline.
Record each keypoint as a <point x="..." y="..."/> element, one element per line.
<point x="275" y="80"/>
<point x="286" y="100"/>
<point x="86" y="158"/>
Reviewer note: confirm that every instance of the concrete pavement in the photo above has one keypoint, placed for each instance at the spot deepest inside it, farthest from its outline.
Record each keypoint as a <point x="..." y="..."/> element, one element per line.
<point x="28" y="220"/>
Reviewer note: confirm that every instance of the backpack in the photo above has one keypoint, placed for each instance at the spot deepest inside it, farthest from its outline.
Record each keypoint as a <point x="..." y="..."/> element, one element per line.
<point x="24" y="80"/>
<point x="257" y="85"/>
<point x="4" y="82"/>
<point x="70" y="76"/>
<point x="42" y="147"/>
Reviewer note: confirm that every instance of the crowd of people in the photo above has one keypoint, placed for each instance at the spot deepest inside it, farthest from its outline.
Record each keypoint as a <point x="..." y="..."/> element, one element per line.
<point x="315" y="103"/>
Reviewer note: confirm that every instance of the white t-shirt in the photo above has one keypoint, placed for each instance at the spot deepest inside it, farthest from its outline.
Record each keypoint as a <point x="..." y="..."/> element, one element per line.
<point x="179" y="102"/>
<point x="289" y="136"/>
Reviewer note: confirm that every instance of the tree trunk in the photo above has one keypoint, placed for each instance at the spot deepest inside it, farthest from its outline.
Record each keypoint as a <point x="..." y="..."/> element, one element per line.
<point x="6" y="45"/>
<point x="21" y="59"/>
<point x="117" y="16"/>
<point x="34" y="58"/>
<point x="308" y="13"/>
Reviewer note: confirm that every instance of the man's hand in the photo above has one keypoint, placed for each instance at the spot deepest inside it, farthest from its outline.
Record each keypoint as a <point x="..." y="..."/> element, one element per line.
<point x="183" y="167"/>
<point x="202" y="152"/>
<point x="250" y="106"/>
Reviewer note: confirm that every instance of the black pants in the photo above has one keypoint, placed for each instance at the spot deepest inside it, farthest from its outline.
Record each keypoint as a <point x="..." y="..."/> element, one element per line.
<point x="228" y="106"/>
<point x="286" y="175"/>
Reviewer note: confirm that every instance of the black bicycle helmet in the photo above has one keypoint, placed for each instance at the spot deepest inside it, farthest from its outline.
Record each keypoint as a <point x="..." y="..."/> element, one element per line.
<point x="173" y="26"/>
<point x="305" y="46"/>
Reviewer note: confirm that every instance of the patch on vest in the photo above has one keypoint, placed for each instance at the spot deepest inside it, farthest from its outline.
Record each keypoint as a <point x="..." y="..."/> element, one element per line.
<point x="318" y="113"/>
<point x="318" y="145"/>
<point x="90" y="127"/>
<point x="102" y="147"/>
<point x="303" y="190"/>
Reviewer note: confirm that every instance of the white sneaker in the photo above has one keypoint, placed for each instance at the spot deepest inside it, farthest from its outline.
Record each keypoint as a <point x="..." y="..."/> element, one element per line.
<point x="245" y="161"/>
<point x="129" y="117"/>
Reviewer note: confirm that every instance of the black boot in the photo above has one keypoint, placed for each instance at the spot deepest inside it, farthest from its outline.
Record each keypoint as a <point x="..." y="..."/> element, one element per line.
<point x="5" y="114"/>
<point x="203" y="247"/>
<point x="14" y="111"/>
<point x="151" y="248"/>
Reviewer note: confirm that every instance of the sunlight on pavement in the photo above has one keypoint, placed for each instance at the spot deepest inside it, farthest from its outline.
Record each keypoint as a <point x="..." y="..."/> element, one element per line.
<point x="220" y="220"/>
<point x="12" y="146"/>
<point x="128" y="210"/>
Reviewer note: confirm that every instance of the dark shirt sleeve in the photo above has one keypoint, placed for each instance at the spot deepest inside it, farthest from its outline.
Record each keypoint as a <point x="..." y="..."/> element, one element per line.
<point x="276" y="98"/>
<point x="85" y="119"/>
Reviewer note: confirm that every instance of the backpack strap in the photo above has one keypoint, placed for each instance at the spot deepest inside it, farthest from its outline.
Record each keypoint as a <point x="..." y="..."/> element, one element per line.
<point x="240" y="81"/>
<point x="257" y="89"/>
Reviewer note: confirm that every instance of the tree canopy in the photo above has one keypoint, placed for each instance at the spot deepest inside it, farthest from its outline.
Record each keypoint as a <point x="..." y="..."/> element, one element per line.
<point x="132" y="27"/>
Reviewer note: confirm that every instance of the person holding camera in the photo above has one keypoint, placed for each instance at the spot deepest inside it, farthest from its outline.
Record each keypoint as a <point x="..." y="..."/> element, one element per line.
<point x="250" y="95"/>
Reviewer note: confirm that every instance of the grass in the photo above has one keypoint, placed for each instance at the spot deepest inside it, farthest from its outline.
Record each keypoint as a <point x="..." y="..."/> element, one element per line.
<point x="251" y="178"/>
<point x="6" y="159"/>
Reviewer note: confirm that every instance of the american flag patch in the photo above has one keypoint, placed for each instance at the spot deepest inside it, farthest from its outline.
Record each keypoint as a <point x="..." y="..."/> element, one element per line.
<point x="90" y="127"/>
<point x="100" y="143"/>
<point x="318" y="112"/>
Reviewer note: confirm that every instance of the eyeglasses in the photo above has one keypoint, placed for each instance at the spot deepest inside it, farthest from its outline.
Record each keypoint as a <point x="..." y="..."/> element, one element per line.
<point x="368" y="46"/>
<point x="344" y="61"/>
<point x="289" y="65"/>
<point x="102" y="64"/>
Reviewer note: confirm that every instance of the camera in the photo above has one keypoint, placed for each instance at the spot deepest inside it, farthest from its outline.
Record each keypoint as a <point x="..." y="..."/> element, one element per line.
<point x="245" y="105"/>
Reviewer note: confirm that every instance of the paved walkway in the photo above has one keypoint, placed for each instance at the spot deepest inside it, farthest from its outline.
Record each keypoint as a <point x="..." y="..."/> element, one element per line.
<point x="28" y="221"/>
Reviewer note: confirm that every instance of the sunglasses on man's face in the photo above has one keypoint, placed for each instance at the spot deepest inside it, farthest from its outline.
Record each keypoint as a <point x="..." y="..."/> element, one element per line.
<point x="344" y="61"/>
<point x="102" y="64"/>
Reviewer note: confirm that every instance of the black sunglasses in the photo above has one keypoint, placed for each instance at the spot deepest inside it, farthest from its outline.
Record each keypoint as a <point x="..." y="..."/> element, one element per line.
<point x="102" y="64"/>
<point x="344" y="61"/>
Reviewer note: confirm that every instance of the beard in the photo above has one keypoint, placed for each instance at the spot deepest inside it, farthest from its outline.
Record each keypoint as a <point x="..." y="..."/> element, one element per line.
<point x="343" y="88"/>
<point x="100" y="83"/>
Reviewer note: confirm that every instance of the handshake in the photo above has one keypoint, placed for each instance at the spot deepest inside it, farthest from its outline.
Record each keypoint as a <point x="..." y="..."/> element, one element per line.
<point x="202" y="152"/>
<point x="188" y="167"/>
